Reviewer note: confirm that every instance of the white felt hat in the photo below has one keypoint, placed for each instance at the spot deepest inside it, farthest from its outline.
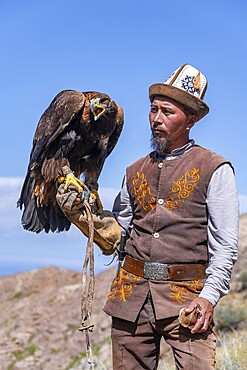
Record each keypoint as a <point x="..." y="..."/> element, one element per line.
<point x="187" y="85"/>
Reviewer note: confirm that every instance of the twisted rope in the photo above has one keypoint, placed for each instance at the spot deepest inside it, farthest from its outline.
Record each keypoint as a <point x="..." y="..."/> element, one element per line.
<point x="87" y="290"/>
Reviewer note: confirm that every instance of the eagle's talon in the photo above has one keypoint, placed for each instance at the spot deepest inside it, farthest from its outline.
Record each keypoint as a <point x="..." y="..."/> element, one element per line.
<point x="61" y="179"/>
<point x="72" y="180"/>
<point x="97" y="202"/>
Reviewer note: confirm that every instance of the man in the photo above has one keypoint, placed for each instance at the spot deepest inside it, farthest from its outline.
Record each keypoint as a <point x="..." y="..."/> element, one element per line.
<point x="179" y="205"/>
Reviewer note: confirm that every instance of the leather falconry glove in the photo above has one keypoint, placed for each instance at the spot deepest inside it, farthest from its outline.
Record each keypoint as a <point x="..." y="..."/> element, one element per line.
<point x="107" y="231"/>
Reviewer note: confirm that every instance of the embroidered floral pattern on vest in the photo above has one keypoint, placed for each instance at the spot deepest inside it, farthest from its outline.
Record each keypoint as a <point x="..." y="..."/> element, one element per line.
<point x="142" y="191"/>
<point x="123" y="286"/>
<point x="182" y="189"/>
<point x="181" y="292"/>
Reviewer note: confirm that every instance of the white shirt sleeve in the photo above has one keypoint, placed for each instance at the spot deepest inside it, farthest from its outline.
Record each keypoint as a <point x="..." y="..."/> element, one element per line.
<point x="223" y="219"/>
<point x="122" y="209"/>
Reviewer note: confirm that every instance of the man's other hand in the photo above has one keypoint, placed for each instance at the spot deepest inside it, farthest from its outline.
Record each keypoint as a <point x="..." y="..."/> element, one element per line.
<point x="205" y="311"/>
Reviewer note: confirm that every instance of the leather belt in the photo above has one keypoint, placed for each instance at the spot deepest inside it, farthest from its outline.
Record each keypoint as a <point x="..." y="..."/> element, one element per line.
<point x="163" y="271"/>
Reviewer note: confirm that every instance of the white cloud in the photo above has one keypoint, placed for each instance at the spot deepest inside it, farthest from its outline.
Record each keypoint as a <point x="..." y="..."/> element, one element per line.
<point x="243" y="203"/>
<point x="9" y="194"/>
<point x="10" y="188"/>
<point x="10" y="182"/>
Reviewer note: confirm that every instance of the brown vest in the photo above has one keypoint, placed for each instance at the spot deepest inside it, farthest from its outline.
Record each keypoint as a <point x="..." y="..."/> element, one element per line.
<point x="169" y="206"/>
<point x="168" y="199"/>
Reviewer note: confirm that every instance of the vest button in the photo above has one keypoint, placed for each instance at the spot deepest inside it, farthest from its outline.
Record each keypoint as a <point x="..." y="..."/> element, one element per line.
<point x="160" y="201"/>
<point x="156" y="235"/>
<point x="160" y="165"/>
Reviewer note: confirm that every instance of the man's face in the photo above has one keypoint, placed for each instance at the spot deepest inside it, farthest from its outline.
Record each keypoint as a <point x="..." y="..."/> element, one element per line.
<point x="169" y="124"/>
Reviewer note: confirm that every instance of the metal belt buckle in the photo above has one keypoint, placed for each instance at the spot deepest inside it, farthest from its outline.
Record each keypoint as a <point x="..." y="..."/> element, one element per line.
<point x="155" y="271"/>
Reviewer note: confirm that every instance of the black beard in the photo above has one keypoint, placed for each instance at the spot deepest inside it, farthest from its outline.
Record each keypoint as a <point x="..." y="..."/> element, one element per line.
<point x="160" y="145"/>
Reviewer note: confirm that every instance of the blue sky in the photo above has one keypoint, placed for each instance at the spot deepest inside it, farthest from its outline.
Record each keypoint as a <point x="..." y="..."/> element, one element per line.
<point x="120" y="48"/>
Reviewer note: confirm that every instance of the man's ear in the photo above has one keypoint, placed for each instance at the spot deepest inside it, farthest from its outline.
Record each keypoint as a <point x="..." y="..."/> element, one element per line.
<point x="192" y="118"/>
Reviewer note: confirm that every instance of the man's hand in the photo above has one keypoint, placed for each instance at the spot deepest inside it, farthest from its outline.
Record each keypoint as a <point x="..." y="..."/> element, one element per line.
<point x="205" y="311"/>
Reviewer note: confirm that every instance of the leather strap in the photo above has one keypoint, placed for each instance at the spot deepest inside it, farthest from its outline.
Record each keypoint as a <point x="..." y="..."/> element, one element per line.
<point x="162" y="271"/>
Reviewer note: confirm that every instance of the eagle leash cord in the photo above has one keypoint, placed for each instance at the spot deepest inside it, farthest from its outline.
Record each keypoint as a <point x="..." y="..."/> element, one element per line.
<point x="87" y="290"/>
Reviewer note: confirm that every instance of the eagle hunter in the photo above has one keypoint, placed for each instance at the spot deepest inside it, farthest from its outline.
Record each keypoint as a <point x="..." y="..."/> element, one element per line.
<point x="74" y="136"/>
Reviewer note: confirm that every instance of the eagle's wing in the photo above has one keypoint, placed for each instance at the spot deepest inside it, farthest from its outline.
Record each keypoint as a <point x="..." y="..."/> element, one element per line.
<point x="43" y="214"/>
<point x="113" y="139"/>
<point x="62" y="110"/>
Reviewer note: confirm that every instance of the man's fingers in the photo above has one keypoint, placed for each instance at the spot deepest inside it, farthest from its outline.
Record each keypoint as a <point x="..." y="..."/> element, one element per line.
<point x="191" y="308"/>
<point x="203" y="313"/>
<point x="202" y="324"/>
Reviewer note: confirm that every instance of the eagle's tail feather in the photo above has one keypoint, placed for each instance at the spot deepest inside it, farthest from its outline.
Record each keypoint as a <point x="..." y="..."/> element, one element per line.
<point x="35" y="218"/>
<point x="31" y="219"/>
<point x="57" y="220"/>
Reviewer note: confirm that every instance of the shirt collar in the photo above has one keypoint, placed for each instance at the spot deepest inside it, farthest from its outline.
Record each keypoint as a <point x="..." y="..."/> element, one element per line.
<point x="178" y="151"/>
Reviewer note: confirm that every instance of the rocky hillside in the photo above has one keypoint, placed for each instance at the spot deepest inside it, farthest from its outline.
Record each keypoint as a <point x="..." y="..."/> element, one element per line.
<point x="40" y="314"/>
<point x="39" y="317"/>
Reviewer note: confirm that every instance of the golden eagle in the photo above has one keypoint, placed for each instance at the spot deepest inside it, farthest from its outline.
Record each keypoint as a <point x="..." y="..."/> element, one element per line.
<point x="74" y="136"/>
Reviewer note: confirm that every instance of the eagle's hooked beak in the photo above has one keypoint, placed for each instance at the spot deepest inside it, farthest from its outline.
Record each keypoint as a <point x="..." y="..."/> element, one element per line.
<point x="96" y="108"/>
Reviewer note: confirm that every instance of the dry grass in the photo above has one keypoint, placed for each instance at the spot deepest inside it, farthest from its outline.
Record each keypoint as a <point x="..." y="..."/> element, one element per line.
<point x="232" y="351"/>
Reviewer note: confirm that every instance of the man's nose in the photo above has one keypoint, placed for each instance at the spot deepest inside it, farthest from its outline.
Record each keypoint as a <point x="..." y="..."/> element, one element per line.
<point x="157" y="119"/>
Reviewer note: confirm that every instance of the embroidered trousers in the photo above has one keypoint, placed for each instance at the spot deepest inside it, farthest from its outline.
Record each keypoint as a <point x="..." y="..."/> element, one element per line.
<point x="136" y="345"/>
